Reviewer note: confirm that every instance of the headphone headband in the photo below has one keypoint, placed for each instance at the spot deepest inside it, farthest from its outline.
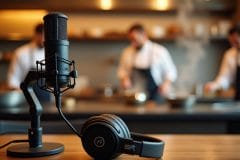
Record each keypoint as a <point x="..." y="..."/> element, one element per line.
<point x="142" y="145"/>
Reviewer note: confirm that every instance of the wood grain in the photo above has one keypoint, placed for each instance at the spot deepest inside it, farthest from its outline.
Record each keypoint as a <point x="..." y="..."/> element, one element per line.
<point x="178" y="147"/>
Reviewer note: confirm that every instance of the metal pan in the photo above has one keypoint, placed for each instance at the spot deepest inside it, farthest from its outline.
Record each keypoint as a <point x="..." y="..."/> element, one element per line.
<point x="181" y="102"/>
<point x="13" y="98"/>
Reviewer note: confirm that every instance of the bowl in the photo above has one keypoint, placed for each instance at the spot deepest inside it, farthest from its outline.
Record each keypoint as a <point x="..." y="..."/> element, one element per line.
<point x="181" y="102"/>
<point x="137" y="98"/>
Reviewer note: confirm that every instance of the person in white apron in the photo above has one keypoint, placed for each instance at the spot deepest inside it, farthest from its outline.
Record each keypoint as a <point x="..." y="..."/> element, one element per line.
<point x="229" y="74"/>
<point x="25" y="58"/>
<point x="146" y="66"/>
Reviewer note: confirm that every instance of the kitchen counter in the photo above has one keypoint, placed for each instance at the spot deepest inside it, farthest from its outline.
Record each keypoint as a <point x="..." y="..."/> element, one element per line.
<point x="177" y="147"/>
<point x="149" y="118"/>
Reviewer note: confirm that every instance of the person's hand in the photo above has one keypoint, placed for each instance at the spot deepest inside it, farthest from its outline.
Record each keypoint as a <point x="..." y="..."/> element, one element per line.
<point x="165" y="87"/>
<point x="210" y="87"/>
<point x="126" y="83"/>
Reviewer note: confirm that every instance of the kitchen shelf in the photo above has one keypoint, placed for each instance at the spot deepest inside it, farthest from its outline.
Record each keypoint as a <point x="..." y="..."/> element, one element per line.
<point x="219" y="39"/>
<point x="120" y="6"/>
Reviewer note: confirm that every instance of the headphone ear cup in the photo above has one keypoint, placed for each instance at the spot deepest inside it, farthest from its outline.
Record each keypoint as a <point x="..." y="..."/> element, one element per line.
<point x="121" y="124"/>
<point x="100" y="137"/>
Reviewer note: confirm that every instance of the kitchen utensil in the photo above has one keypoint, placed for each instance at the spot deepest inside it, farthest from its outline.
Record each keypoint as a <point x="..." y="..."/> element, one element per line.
<point x="135" y="98"/>
<point x="11" y="99"/>
<point x="179" y="102"/>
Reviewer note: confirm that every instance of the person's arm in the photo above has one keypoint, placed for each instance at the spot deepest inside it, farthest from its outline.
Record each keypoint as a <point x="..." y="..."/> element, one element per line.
<point x="165" y="87"/>
<point x="124" y="70"/>
<point x="169" y="72"/>
<point x="224" y="77"/>
<point x="14" y="73"/>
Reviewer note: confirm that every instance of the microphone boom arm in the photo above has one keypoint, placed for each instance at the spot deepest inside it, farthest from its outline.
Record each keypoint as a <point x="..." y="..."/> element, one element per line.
<point x="35" y="132"/>
<point x="35" y="148"/>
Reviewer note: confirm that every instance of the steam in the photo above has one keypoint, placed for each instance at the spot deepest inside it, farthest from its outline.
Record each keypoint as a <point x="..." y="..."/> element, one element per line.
<point x="193" y="48"/>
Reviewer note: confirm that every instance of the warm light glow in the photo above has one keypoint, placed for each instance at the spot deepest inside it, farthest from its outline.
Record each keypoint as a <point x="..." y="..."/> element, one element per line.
<point x="141" y="97"/>
<point x="106" y="4"/>
<point x="161" y="4"/>
<point x="19" y="24"/>
<point x="26" y="14"/>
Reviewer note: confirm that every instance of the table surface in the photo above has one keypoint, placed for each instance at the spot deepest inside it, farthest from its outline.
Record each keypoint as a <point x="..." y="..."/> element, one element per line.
<point x="178" y="147"/>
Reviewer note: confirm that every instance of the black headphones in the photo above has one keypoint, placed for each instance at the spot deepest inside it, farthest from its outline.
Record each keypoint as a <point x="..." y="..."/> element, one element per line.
<point x="107" y="136"/>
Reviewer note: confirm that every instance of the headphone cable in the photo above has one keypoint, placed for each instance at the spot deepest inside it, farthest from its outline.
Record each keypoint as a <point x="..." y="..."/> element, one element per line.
<point x="13" y="141"/>
<point x="59" y="108"/>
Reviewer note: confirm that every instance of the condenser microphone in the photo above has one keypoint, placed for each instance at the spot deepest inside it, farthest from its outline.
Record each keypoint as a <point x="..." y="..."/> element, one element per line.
<point x="57" y="69"/>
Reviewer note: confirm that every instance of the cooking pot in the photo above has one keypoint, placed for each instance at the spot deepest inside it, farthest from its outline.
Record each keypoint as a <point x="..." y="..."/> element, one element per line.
<point x="135" y="98"/>
<point x="11" y="98"/>
<point x="181" y="101"/>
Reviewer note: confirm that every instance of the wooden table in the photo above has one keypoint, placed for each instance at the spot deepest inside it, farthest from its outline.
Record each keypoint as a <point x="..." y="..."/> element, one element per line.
<point x="178" y="147"/>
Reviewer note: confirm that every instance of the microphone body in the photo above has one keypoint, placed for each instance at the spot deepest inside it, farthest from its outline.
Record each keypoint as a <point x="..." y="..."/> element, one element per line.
<point x="56" y="50"/>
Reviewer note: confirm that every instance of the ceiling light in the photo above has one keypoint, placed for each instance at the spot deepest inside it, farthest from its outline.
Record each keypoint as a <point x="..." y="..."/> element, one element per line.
<point x="161" y="4"/>
<point x="106" y="4"/>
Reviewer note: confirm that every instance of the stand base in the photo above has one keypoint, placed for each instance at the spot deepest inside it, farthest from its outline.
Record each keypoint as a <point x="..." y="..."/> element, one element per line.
<point x="23" y="150"/>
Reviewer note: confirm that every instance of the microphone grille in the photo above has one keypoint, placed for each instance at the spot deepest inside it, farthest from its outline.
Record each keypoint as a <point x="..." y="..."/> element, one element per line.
<point x="62" y="28"/>
<point x="55" y="27"/>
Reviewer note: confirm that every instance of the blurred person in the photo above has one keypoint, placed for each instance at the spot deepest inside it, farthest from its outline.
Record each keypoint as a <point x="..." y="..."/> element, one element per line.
<point x="146" y="66"/>
<point x="24" y="60"/>
<point x="230" y="67"/>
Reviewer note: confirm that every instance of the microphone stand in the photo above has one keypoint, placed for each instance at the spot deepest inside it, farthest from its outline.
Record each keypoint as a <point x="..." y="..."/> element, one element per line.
<point x="35" y="148"/>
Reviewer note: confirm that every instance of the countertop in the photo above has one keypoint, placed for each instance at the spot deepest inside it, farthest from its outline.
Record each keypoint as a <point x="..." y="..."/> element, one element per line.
<point x="177" y="147"/>
<point x="151" y="118"/>
<point x="86" y="108"/>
